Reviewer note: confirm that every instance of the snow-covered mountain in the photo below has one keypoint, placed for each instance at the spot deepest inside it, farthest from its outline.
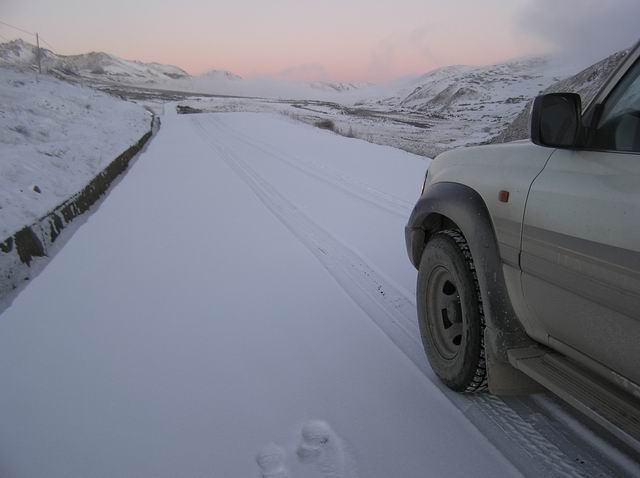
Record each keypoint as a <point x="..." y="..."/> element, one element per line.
<point x="586" y="83"/>
<point x="94" y="65"/>
<point x="218" y="75"/>
<point x="454" y="105"/>
<point x="338" y="86"/>
<point x="459" y="90"/>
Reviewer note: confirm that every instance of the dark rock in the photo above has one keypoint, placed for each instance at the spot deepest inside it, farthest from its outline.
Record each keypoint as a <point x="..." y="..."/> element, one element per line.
<point x="28" y="245"/>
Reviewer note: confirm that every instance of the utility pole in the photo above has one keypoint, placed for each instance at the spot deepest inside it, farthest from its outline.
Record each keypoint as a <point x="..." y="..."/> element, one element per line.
<point x="38" y="53"/>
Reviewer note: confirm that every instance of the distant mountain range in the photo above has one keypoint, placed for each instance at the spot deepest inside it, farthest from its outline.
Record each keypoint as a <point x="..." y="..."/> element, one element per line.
<point x="94" y="65"/>
<point x="457" y="104"/>
<point x="102" y="67"/>
<point x="339" y="86"/>
<point x="220" y="74"/>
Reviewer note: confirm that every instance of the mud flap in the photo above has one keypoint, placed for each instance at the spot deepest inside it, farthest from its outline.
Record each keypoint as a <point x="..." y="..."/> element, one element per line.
<point x="503" y="378"/>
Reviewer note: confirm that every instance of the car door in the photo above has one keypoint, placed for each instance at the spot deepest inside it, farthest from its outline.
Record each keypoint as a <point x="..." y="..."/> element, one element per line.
<point x="581" y="239"/>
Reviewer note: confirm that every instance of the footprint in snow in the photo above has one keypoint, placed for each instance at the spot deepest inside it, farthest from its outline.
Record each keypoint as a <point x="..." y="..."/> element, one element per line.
<point x="271" y="462"/>
<point x="322" y="447"/>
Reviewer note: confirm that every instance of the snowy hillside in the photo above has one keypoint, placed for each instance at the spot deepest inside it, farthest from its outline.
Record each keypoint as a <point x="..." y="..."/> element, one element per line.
<point x="468" y="105"/>
<point x="586" y="83"/>
<point x="459" y="89"/>
<point x="54" y="137"/>
<point x="484" y="99"/>
<point x="95" y="65"/>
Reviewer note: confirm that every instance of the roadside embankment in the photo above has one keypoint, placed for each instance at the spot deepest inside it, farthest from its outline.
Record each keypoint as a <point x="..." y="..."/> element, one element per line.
<point x="19" y="252"/>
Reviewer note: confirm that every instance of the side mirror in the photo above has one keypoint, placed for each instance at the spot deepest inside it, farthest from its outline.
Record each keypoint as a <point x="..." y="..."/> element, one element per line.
<point x="555" y="120"/>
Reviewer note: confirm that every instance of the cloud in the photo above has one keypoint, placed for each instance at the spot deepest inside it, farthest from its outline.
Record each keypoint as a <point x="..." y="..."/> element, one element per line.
<point x="307" y="72"/>
<point x="409" y="49"/>
<point x="585" y="30"/>
<point x="422" y="41"/>
<point x="383" y="58"/>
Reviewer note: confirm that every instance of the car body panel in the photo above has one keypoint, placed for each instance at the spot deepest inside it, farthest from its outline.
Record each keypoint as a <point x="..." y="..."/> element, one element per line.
<point x="581" y="255"/>
<point x="488" y="170"/>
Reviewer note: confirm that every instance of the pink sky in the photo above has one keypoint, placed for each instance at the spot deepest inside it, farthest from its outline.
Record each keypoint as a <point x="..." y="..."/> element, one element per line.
<point x="354" y="40"/>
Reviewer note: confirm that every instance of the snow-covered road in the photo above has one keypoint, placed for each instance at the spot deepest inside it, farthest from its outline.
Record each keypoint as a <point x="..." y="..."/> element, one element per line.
<point x="246" y="276"/>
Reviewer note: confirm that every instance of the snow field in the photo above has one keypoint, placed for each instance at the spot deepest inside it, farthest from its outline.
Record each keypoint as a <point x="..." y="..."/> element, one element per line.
<point x="201" y="331"/>
<point x="257" y="156"/>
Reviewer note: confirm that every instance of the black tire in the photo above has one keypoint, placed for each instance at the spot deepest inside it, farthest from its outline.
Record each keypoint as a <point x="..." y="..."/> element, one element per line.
<point x="450" y="313"/>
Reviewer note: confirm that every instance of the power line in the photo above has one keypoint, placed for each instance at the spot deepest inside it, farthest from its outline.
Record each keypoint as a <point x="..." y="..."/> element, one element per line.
<point x="17" y="28"/>
<point x="24" y="31"/>
<point x="46" y="43"/>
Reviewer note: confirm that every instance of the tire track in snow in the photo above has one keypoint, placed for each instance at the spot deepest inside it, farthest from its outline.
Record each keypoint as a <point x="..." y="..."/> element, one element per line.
<point x="352" y="186"/>
<point x="393" y="311"/>
<point x="395" y="314"/>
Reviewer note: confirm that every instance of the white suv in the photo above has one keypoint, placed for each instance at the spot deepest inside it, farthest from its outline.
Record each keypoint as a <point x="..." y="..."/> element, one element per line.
<point x="529" y="257"/>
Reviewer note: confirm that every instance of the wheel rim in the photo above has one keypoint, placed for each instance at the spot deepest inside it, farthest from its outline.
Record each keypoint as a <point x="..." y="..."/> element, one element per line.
<point x="445" y="313"/>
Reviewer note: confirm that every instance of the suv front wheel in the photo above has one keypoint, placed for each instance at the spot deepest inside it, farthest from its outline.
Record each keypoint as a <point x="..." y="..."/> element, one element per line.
<point x="450" y="312"/>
